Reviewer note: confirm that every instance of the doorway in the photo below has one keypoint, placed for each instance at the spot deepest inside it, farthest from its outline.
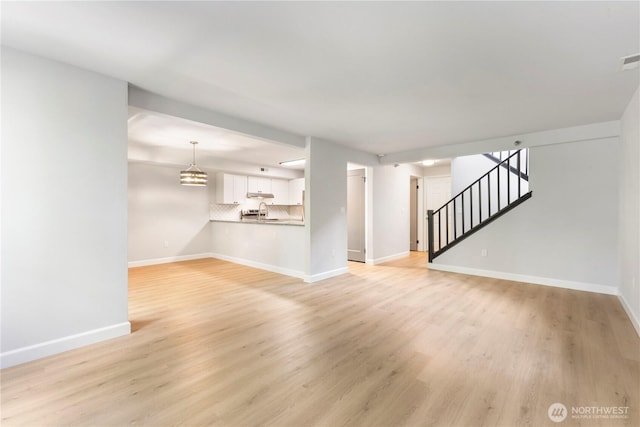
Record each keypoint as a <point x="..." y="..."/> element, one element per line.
<point x="356" y="215"/>
<point x="413" y="214"/>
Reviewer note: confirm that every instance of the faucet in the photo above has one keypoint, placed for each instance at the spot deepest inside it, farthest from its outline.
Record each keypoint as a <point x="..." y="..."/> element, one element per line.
<point x="266" y="211"/>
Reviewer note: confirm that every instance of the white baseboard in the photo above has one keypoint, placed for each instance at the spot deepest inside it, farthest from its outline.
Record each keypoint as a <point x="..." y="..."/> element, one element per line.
<point x="166" y="260"/>
<point x="630" y="313"/>
<point x="326" y="275"/>
<point x="546" y="281"/>
<point x="48" y="348"/>
<point x="376" y="261"/>
<point x="262" y="266"/>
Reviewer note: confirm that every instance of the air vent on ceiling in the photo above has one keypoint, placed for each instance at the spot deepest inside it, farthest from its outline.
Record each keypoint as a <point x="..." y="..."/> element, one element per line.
<point x="630" y="62"/>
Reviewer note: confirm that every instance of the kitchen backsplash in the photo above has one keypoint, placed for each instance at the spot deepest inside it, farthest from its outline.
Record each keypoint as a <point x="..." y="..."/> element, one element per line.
<point x="232" y="212"/>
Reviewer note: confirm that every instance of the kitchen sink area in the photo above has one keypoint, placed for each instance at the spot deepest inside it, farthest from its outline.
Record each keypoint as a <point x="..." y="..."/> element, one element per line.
<point x="252" y="218"/>
<point x="258" y="200"/>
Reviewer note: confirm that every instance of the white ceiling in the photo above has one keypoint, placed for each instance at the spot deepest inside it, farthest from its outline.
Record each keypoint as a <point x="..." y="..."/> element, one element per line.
<point x="383" y="77"/>
<point x="162" y="134"/>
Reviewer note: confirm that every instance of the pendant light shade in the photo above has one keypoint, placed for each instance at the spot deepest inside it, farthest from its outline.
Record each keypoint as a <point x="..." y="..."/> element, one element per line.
<point x="193" y="176"/>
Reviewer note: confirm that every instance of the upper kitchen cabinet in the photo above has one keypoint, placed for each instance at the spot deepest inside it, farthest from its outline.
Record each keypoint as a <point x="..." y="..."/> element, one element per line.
<point x="280" y="190"/>
<point x="296" y="191"/>
<point x="258" y="184"/>
<point x="230" y="189"/>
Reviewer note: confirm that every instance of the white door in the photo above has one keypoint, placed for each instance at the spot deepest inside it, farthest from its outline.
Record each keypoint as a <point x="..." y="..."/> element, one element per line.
<point x="413" y="214"/>
<point x="355" y="215"/>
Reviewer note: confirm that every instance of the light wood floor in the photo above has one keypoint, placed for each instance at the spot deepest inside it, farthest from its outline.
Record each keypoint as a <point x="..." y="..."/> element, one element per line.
<point x="220" y="344"/>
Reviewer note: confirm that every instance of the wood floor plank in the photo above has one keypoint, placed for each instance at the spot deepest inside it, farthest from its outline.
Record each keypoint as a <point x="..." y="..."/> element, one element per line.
<point x="218" y="344"/>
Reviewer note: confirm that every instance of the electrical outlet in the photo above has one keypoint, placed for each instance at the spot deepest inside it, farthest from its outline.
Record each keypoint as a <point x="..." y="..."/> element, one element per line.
<point x="166" y="243"/>
<point x="483" y="252"/>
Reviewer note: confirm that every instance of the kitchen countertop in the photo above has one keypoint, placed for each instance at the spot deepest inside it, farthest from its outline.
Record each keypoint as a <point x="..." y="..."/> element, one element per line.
<point x="267" y="222"/>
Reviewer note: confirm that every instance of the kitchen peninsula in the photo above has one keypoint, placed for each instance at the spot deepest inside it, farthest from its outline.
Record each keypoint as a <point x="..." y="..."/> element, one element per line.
<point x="274" y="221"/>
<point x="276" y="242"/>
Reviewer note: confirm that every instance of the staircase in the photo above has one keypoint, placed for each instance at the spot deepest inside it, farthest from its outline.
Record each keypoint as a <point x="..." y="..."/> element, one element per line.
<point x="492" y="195"/>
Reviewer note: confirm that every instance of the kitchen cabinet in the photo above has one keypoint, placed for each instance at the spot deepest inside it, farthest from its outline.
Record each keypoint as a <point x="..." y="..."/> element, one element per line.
<point x="230" y="189"/>
<point x="258" y="184"/>
<point x="280" y="190"/>
<point x="296" y="190"/>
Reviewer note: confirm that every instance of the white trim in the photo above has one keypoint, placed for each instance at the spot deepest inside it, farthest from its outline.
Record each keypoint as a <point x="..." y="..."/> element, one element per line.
<point x="422" y="223"/>
<point x="166" y="260"/>
<point x="59" y="345"/>
<point x="545" y="281"/>
<point x="261" y="266"/>
<point x="326" y="275"/>
<point x="376" y="261"/>
<point x="630" y="313"/>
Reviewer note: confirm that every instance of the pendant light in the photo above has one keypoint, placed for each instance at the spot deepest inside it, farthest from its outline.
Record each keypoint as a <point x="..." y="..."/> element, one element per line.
<point x="193" y="176"/>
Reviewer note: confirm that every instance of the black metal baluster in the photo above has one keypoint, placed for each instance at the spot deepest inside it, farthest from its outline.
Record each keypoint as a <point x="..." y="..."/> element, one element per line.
<point x="455" y="220"/>
<point x="489" y="194"/>
<point x="463" y="212"/>
<point x="439" y="229"/>
<point x="447" y="221"/>
<point x="519" y="179"/>
<point x="430" y="231"/>
<point x="508" y="181"/>
<point x="480" y="201"/>
<point x="471" y="207"/>
<point x="498" y="171"/>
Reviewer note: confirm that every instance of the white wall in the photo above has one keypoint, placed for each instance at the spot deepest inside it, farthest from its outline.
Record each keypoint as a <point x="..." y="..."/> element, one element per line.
<point x="64" y="207"/>
<point x="629" y="212"/>
<point x="566" y="234"/>
<point x="390" y="211"/>
<point x="437" y="170"/>
<point x="326" y="204"/>
<point x="167" y="221"/>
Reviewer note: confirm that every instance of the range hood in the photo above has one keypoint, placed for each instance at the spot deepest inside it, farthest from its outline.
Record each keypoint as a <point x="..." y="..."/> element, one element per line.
<point x="259" y="196"/>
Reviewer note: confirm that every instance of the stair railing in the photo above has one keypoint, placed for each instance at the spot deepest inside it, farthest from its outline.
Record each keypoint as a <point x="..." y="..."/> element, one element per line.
<point x="499" y="156"/>
<point x="460" y="217"/>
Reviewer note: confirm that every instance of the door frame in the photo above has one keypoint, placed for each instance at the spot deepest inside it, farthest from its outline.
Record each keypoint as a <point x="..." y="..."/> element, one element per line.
<point x="420" y="212"/>
<point x="422" y="216"/>
<point x="361" y="172"/>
